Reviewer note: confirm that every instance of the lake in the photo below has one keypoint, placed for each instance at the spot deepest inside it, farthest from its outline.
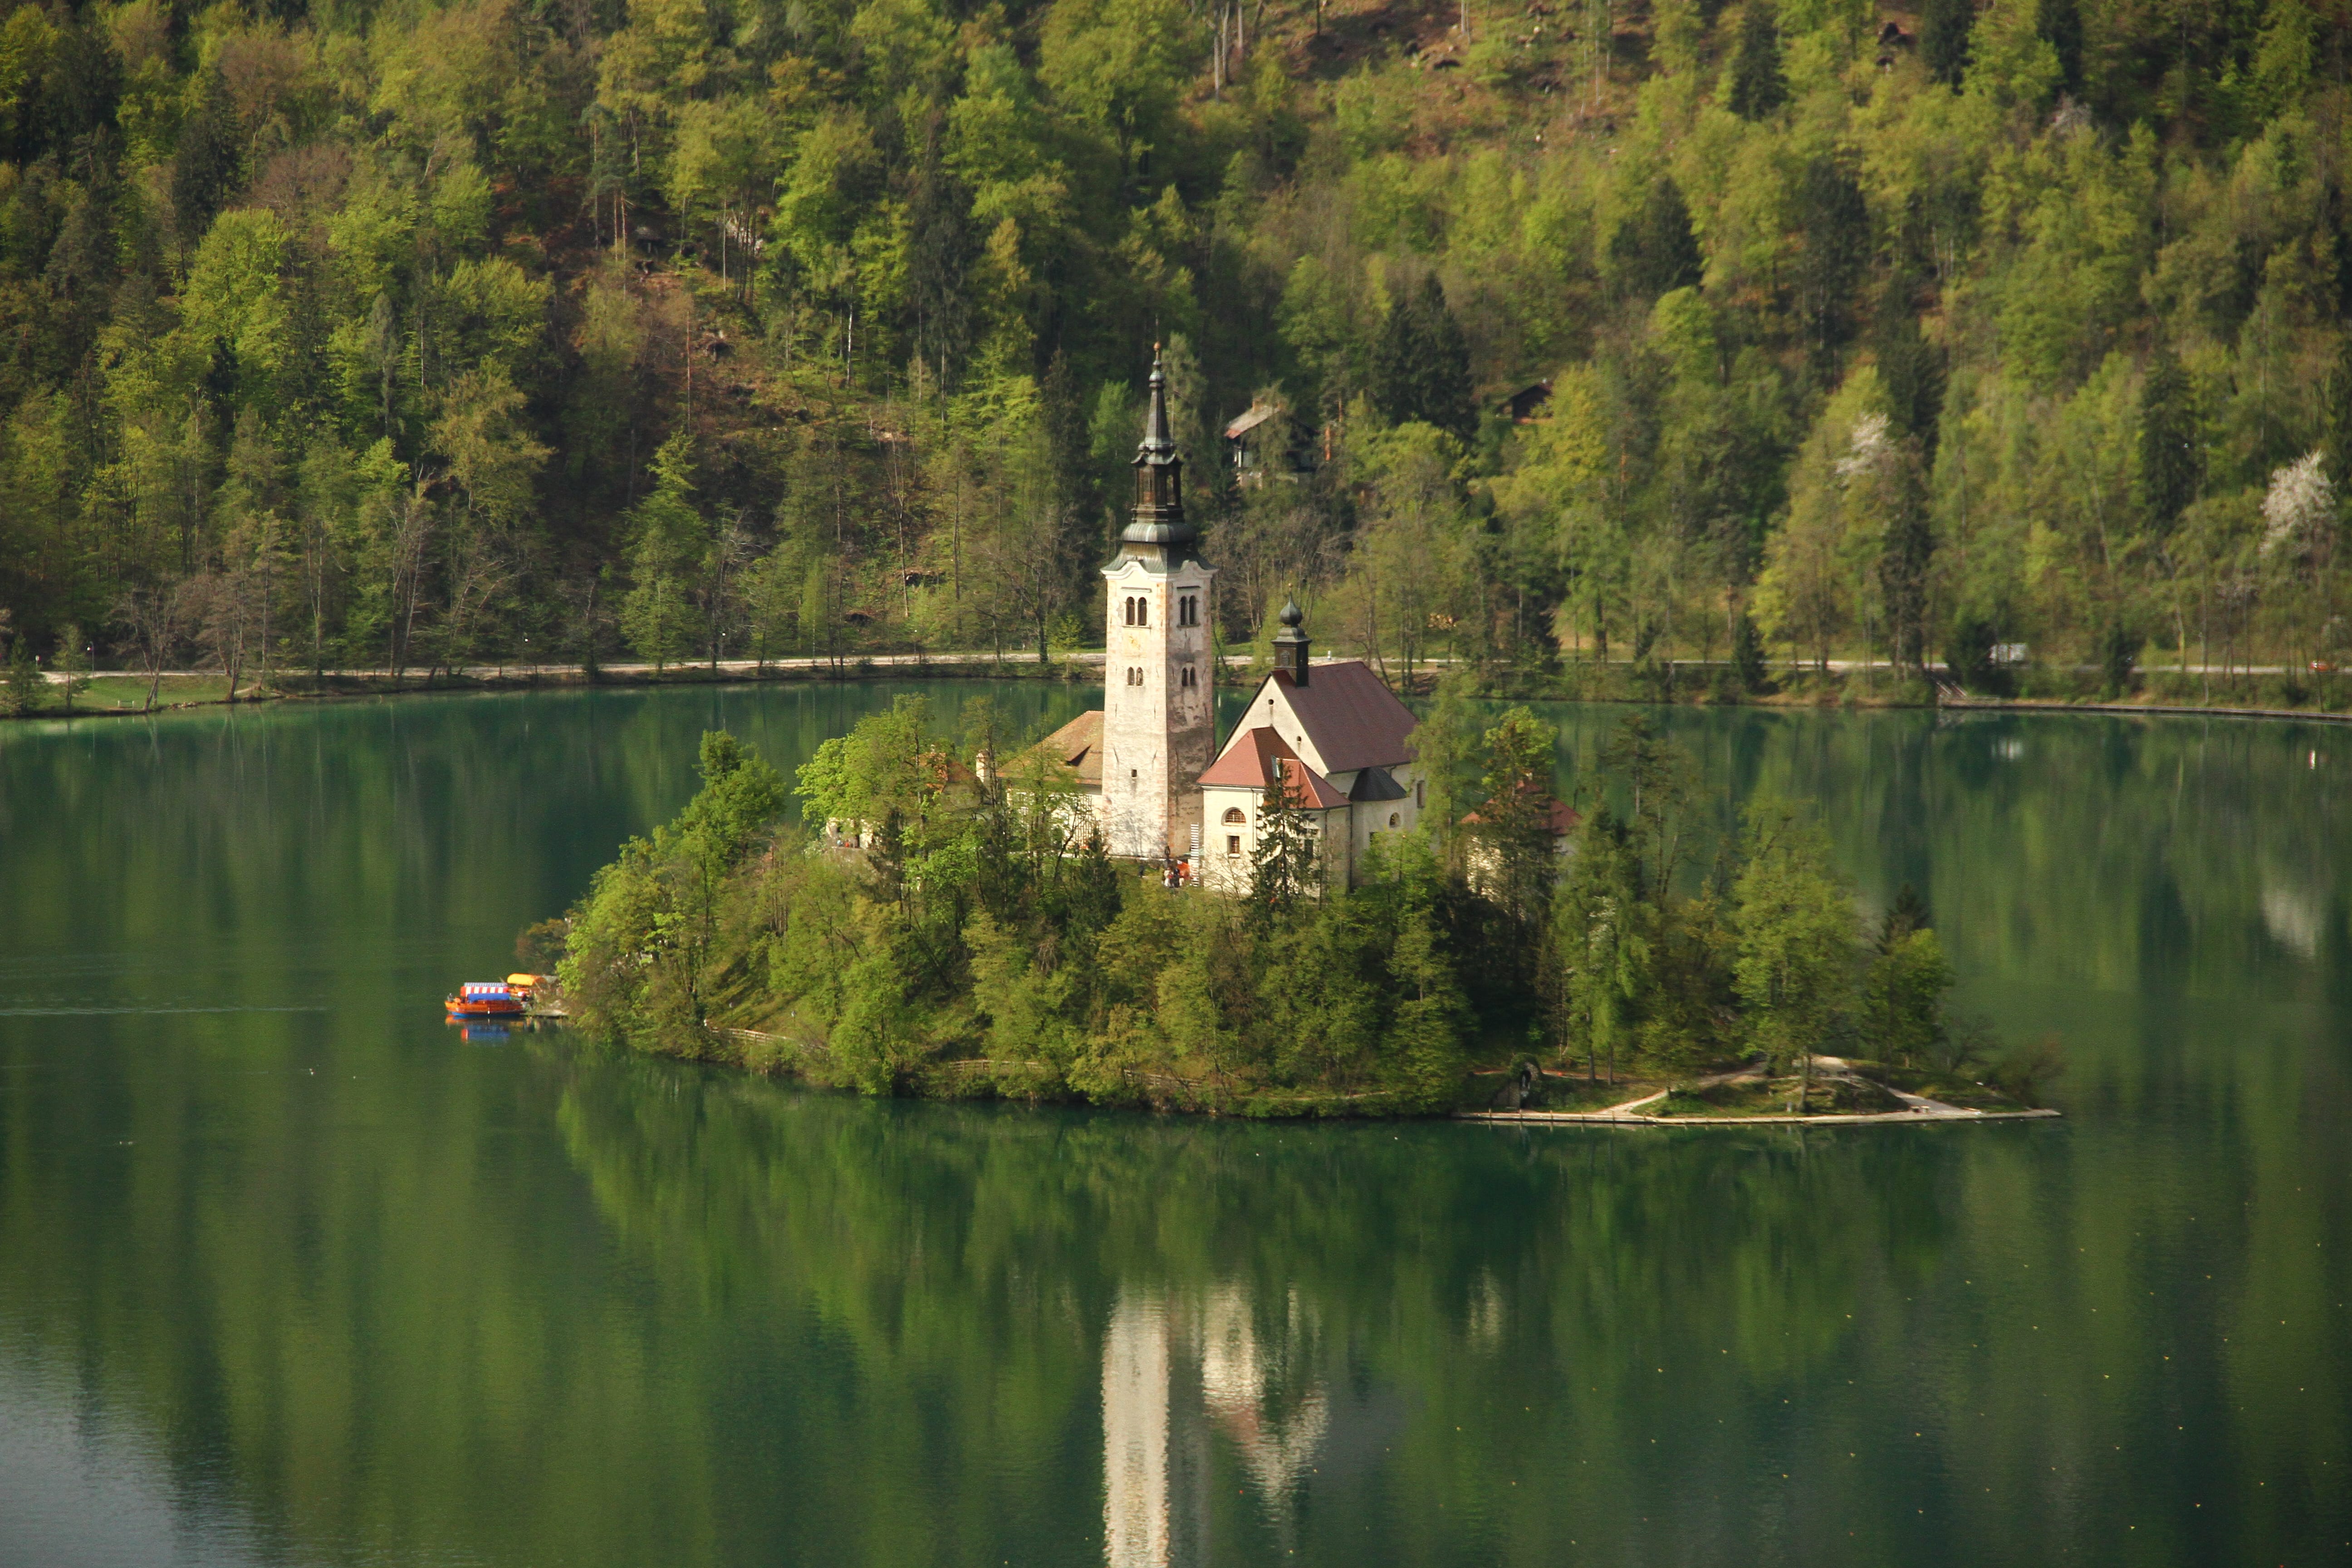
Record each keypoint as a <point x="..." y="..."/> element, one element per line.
<point x="291" y="1272"/>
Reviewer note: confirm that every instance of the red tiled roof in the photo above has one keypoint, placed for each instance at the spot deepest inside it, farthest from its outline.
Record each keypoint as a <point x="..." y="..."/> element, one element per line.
<point x="1353" y="719"/>
<point x="1250" y="763"/>
<point x="1077" y="744"/>
<point x="1560" y="817"/>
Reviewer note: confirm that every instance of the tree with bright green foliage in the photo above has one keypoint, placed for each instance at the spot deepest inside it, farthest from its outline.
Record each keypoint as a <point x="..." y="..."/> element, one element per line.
<point x="72" y="664"/>
<point x="1794" y="923"/>
<point x="1903" y="992"/>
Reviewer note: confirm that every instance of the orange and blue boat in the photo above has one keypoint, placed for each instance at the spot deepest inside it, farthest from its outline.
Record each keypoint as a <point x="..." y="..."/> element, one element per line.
<point x="485" y="999"/>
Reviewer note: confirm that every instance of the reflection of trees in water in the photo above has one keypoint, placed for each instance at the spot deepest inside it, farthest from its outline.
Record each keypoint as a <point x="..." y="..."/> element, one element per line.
<point x="1269" y="1306"/>
<point x="345" y="829"/>
<point x="2054" y="848"/>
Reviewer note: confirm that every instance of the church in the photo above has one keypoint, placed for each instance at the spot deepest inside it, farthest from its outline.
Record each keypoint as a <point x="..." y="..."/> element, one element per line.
<point x="1149" y="762"/>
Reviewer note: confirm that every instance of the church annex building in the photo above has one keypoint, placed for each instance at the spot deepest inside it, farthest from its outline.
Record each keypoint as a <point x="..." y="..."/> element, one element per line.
<point x="1148" y="763"/>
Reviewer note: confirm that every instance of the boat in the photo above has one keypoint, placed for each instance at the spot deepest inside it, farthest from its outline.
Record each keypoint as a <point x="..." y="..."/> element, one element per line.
<point x="523" y="985"/>
<point x="485" y="999"/>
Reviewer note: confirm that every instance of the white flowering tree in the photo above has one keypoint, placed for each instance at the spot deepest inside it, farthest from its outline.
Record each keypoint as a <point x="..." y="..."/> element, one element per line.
<point x="2299" y="530"/>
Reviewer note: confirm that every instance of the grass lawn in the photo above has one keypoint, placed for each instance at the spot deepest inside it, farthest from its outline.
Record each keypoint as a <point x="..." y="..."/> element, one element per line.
<point x="117" y="692"/>
<point x="1777" y="1097"/>
<point x="1951" y="1087"/>
<point x="1569" y="1092"/>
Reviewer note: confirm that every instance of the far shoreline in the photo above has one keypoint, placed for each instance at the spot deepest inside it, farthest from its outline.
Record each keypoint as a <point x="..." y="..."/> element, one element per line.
<point x="1080" y="667"/>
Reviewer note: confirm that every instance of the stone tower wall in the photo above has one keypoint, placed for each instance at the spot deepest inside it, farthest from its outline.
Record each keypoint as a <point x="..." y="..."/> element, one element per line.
<point x="1159" y="706"/>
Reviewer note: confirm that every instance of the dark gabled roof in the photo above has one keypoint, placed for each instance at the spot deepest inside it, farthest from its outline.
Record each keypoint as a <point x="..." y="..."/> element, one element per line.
<point x="1354" y="720"/>
<point x="1076" y="745"/>
<point x="1374" y="784"/>
<point x="1251" y="763"/>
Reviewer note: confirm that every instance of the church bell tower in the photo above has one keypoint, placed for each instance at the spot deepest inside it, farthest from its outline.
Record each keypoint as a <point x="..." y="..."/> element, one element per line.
<point x="1159" y="678"/>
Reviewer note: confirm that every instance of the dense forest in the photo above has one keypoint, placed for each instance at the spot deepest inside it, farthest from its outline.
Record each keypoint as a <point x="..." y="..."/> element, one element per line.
<point x="410" y="335"/>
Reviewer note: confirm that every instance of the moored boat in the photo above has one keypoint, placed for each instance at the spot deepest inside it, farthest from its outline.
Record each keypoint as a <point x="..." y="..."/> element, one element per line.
<point x="485" y="999"/>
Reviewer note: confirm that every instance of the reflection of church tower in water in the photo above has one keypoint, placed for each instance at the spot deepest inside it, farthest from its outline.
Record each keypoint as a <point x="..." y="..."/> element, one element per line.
<point x="1170" y="1377"/>
<point x="1159" y="727"/>
<point x="1138" y="1526"/>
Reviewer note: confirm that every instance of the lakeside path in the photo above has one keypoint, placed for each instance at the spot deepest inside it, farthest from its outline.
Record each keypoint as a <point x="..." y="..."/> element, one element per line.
<point x="1917" y="1109"/>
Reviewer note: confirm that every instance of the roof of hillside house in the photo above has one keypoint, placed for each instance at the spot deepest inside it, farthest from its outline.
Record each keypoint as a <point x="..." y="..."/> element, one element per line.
<point x="1076" y="745"/>
<point x="1250" y="763"/>
<point x="1259" y="412"/>
<point x="1374" y="784"/>
<point x="1354" y="720"/>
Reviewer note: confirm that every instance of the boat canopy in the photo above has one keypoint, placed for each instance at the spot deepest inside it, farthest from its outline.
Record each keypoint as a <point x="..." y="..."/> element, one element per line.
<point x="488" y="988"/>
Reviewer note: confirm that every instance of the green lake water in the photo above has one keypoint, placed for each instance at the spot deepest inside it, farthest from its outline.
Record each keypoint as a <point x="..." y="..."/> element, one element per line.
<point x="290" y="1272"/>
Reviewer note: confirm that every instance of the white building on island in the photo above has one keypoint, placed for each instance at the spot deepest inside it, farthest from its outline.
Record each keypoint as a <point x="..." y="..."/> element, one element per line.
<point x="1149" y="764"/>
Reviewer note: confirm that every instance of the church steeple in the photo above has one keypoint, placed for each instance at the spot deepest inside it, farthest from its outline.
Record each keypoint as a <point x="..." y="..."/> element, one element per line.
<point x="1158" y="660"/>
<point x="1159" y="518"/>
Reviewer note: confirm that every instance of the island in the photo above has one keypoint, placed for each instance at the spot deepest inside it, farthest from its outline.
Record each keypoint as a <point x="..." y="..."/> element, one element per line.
<point x="1339" y="908"/>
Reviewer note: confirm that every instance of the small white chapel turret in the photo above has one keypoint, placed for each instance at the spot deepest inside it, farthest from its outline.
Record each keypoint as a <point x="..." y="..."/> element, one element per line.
<point x="1159" y="716"/>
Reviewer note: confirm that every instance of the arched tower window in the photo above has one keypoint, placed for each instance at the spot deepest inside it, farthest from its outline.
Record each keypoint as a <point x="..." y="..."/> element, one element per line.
<point x="1234" y="816"/>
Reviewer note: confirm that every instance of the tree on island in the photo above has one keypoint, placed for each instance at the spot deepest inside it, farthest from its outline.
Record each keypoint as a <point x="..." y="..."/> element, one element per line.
<point x="1904" y="988"/>
<point x="1794" y="924"/>
<point x="1600" y="922"/>
<point x="1285" y="866"/>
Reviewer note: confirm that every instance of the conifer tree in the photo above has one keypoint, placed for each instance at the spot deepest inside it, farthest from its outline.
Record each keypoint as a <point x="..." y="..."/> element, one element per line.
<point x="1286" y="866"/>
<point x="1835" y="222"/>
<point x="938" y="255"/>
<point x="1910" y="369"/>
<point x="657" y="615"/>
<point x="2336" y="408"/>
<point x="1758" y="87"/>
<point x="1747" y="660"/>
<point x="1599" y="929"/>
<point x="73" y="661"/>
<point x="1944" y="39"/>
<point x="24" y="675"/>
<point x="2061" y="23"/>
<point x="1515" y="818"/>
<point x="205" y="169"/>
<point x="1655" y="251"/>
<point x="2171" y="451"/>
<point x="1421" y="367"/>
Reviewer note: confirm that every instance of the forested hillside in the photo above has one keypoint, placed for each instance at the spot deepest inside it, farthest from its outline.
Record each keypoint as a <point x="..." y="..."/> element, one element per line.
<point x="404" y="334"/>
